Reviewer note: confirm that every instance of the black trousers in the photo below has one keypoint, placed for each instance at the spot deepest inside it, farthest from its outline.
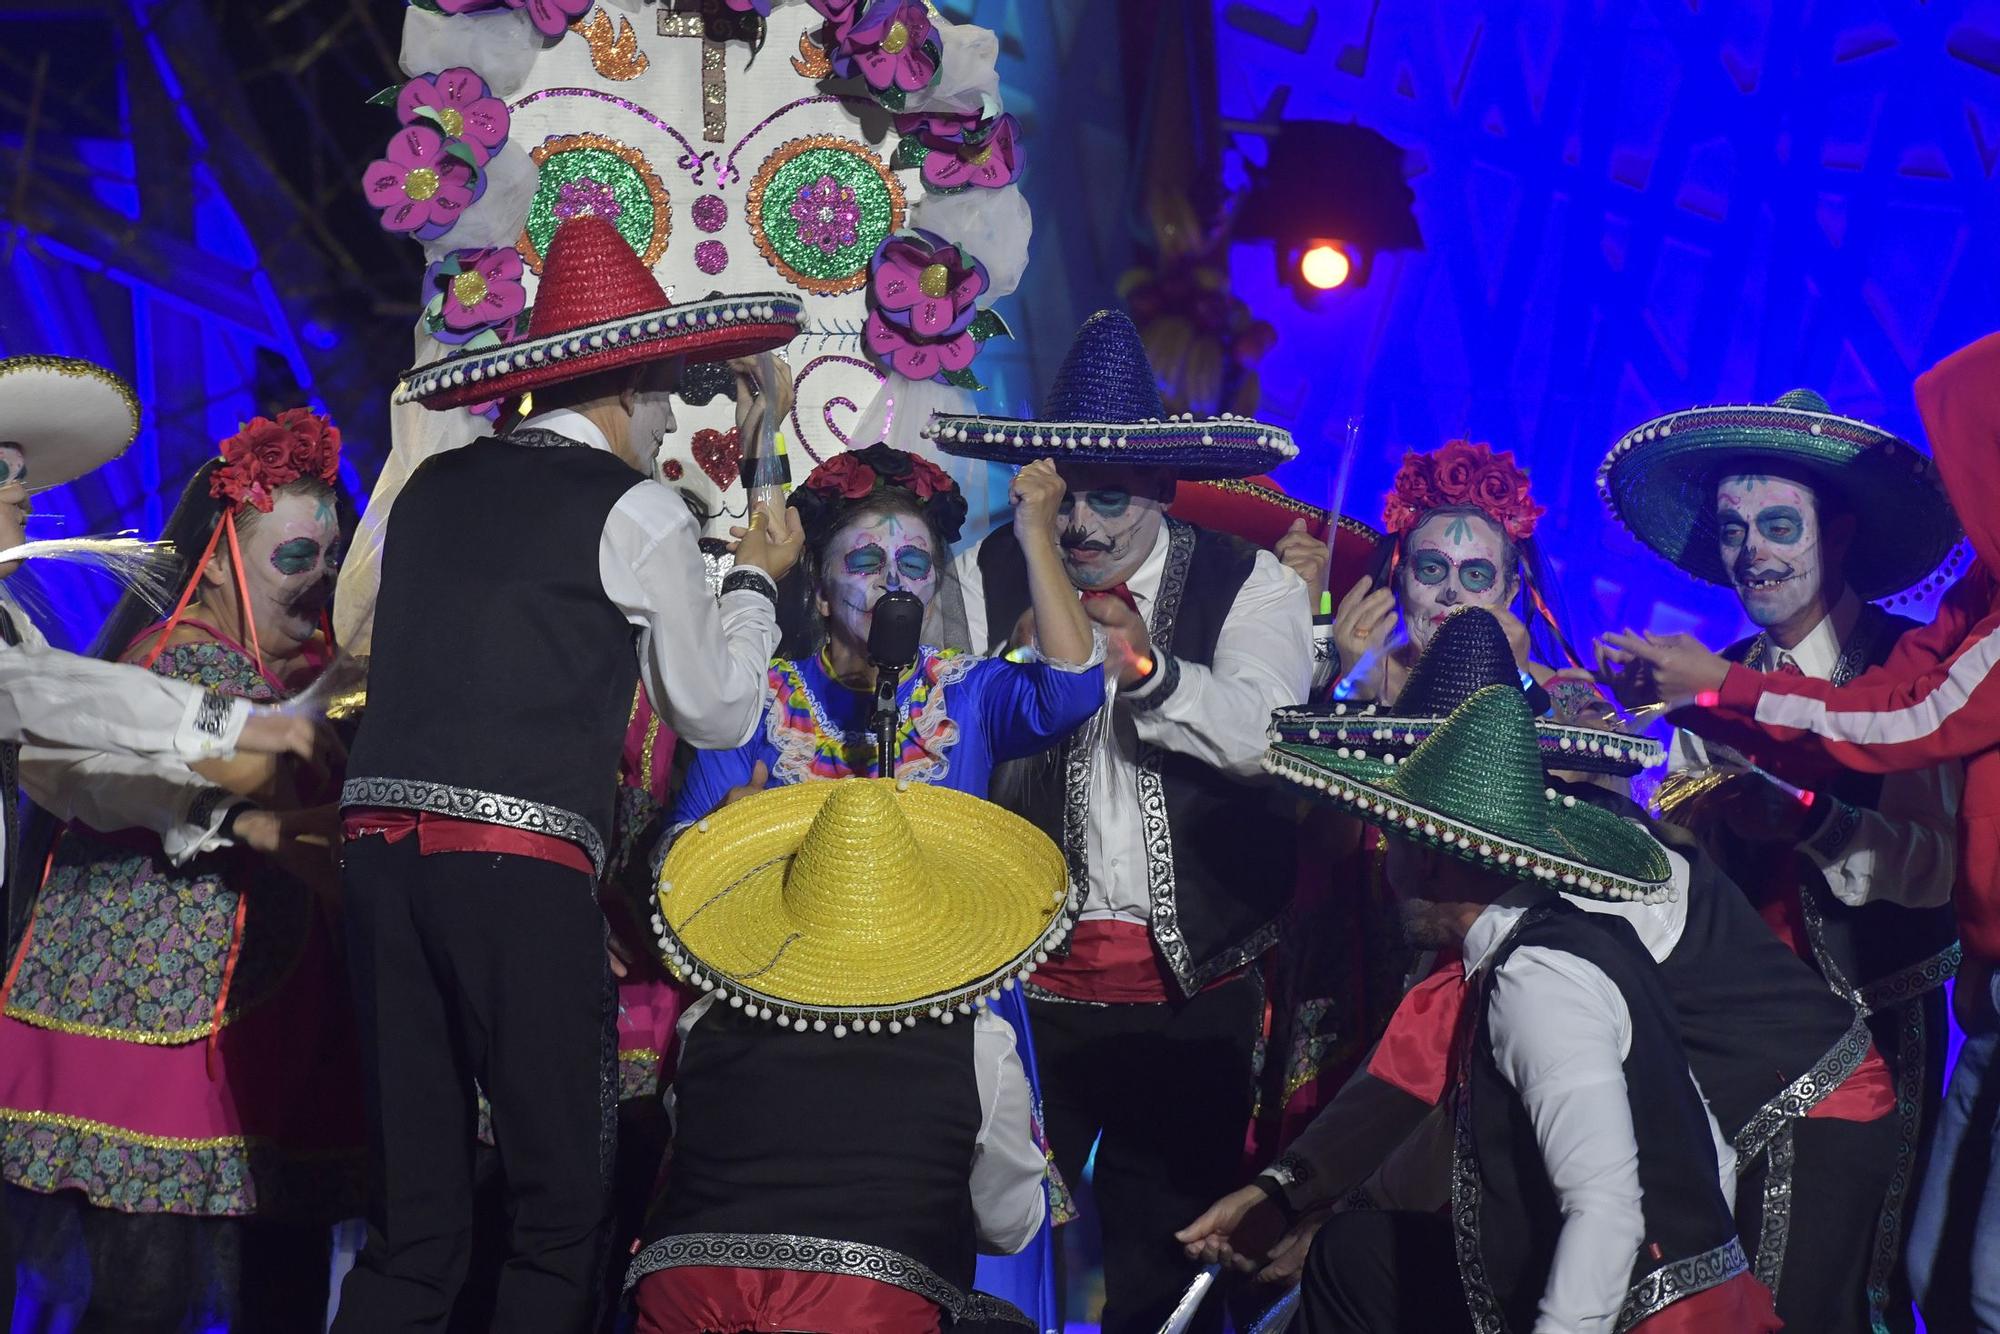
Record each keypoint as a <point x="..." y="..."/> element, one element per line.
<point x="1837" y="1173"/>
<point x="1169" y="1090"/>
<point x="473" y="965"/>
<point x="1382" y="1273"/>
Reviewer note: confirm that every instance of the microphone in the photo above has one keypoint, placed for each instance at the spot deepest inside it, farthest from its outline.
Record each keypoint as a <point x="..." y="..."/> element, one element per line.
<point x="896" y="626"/>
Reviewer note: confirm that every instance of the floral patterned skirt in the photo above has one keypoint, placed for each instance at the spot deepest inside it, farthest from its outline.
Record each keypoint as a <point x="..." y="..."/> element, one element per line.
<point x="124" y="1104"/>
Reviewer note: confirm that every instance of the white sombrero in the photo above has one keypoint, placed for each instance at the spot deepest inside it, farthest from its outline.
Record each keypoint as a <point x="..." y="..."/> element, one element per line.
<point x="68" y="416"/>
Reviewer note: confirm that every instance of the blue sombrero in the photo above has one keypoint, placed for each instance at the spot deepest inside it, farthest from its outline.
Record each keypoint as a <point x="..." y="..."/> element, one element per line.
<point x="1105" y="407"/>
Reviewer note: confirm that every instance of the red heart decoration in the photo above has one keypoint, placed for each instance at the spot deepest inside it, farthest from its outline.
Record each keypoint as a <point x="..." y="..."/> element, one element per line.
<point x="720" y="455"/>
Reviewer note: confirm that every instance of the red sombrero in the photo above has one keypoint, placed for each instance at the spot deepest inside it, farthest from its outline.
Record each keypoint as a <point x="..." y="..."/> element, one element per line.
<point x="1255" y="510"/>
<point x="600" y="307"/>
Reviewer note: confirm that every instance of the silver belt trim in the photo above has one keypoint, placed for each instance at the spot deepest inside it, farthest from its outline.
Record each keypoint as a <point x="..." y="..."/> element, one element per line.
<point x="817" y="1255"/>
<point x="1800" y="1096"/>
<point x="470" y="803"/>
<point x="1681" y="1279"/>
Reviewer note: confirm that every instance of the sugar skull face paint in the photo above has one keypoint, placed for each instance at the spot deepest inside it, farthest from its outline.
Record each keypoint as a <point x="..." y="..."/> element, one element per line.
<point x="290" y="558"/>
<point x="1768" y="534"/>
<point x="15" y="504"/>
<point x="1109" y="521"/>
<point x="1452" y="560"/>
<point x="873" y="555"/>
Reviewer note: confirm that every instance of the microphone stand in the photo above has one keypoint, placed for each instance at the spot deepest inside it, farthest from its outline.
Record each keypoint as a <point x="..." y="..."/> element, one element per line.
<point x="885" y="720"/>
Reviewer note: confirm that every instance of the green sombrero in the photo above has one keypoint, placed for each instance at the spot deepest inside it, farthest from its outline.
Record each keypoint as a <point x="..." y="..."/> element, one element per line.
<point x="1475" y="789"/>
<point x="1659" y="480"/>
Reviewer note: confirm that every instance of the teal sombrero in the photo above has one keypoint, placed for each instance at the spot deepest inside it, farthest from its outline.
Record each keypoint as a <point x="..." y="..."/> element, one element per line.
<point x="1659" y="480"/>
<point x="1475" y="788"/>
<point x="1468" y="653"/>
<point x="1105" y="407"/>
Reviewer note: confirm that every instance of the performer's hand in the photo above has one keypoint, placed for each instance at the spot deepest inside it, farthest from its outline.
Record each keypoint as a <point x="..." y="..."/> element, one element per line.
<point x="1287" y="1260"/>
<point x="1676" y="667"/>
<point x="619" y="957"/>
<point x="270" y="733"/>
<point x="1128" y="651"/>
<point x="1517" y="635"/>
<point x="1304" y="555"/>
<point x="1362" y="621"/>
<point x="1238" y="1230"/>
<point x="773" y="540"/>
<point x="758" y="403"/>
<point x="1037" y="493"/>
<point x="760" y="778"/>
<point x="301" y="842"/>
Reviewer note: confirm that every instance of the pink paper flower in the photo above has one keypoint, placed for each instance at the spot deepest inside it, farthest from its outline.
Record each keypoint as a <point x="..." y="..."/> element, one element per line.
<point x="828" y="214"/>
<point x="553" y="17"/>
<point x="961" y="151"/>
<point x="910" y="357"/>
<point x="459" y="103"/>
<point x="840" y="16"/>
<point x="894" y="47"/>
<point x="418" y="187"/>
<point x="474" y="290"/>
<point x="761" y="8"/>
<point x="925" y="284"/>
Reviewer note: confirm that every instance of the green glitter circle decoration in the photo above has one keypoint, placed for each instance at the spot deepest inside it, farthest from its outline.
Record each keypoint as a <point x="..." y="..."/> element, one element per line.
<point x="590" y="173"/>
<point x="823" y="244"/>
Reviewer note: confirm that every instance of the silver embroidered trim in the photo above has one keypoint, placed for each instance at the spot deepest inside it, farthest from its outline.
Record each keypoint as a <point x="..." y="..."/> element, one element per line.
<point x="1840" y="827"/>
<point x="1907" y="984"/>
<point x="1774" y="1221"/>
<point x="1165" y="911"/>
<point x="1170" y="681"/>
<point x="1678" y="1279"/>
<point x="201" y="812"/>
<point x="1910" y="1075"/>
<point x="470" y="803"/>
<point x="1035" y="993"/>
<point x="1290" y="1169"/>
<point x="815" y="1255"/>
<point x="1802" y="1094"/>
<point x="1481" y="1304"/>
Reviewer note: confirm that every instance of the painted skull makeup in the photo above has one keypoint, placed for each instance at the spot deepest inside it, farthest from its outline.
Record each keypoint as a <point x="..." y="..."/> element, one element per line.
<point x="1768" y="532"/>
<point x="1108" y="522"/>
<point x="873" y="555"/>
<point x="1454" y="560"/>
<point x="15" y="503"/>
<point x="290" y="558"/>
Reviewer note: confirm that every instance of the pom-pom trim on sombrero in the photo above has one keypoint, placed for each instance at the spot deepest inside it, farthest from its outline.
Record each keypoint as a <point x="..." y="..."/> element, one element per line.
<point x="694" y="326"/>
<point x="842" y="866"/>
<point x="1563" y="745"/>
<point x="1198" y="448"/>
<point x="1480" y="750"/>
<point x="1658" y="482"/>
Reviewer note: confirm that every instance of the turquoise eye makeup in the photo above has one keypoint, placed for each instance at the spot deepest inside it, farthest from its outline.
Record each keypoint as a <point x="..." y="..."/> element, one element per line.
<point x="1477" y="575"/>
<point x="1781" y="524"/>
<point x="864" y="560"/>
<point x="1110" y="502"/>
<point x="914" y="563"/>
<point x="297" y="556"/>
<point x="1474" y="576"/>
<point x="1429" y="568"/>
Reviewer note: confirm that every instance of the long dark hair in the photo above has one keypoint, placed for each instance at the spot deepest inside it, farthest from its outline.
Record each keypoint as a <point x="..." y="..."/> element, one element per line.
<point x="189" y="529"/>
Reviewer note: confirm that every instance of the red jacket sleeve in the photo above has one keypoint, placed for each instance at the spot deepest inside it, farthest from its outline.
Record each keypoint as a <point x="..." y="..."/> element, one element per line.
<point x="1935" y="699"/>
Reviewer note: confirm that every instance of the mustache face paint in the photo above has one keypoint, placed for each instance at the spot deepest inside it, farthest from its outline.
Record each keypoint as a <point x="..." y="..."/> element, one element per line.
<point x="875" y="554"/>
<point x="1452" y="561"/>
<point x="1768" y="535"/>
<point x="1108" y="522"/>
<point x="290" y="558"/>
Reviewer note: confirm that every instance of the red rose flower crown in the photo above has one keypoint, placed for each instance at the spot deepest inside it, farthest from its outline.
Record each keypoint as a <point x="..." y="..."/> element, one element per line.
<point x="855" y="474"/>
<point x="1462" y="472"/>
<point x="265" y="456"/>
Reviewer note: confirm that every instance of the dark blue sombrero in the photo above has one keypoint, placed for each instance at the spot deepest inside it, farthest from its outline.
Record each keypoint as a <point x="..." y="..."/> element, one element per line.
<point x="1105" y="407"/>
<point x="1469" y="653"/>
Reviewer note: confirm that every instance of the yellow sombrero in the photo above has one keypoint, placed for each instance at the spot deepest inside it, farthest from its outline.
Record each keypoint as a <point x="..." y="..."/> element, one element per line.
<point x="860" y="903"/>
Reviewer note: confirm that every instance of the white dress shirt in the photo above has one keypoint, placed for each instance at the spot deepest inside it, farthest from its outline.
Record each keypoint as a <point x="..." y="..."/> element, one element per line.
<point x="704" y="665"/>
<point x="108" y="743"/>
<point x="1009" y="1173"/>
<point x="1903" y="851"/>
<point x="1217" y="714"/>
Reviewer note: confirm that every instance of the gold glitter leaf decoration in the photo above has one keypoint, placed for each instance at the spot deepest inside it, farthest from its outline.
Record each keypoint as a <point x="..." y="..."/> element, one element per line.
<point x="811" y="62"/>
<point x="615" y="55"/>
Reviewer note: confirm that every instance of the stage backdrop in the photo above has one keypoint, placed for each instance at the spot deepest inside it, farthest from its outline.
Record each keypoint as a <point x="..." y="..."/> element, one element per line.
<point x="1627" y="208"/>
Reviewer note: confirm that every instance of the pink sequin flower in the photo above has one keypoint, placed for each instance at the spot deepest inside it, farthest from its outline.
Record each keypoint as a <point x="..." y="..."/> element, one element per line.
<point x="893" y="45"/>
<point x="587" y="195"/>
<point x="828" y="214"/>
<point x="965" y="151"/>
<point x="477" y="289"/>
<point x="419" y="188"/>
<point x="921" y="292"/>
<point x="459" y="103"/>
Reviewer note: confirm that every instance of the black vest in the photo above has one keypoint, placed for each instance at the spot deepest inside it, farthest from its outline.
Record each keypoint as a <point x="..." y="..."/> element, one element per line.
<point x="803" y="1151"/>
<point x="1219" y="850"/>
<point x="1505" y="1213"/>
<point x="12" y="890"/>
<point x="502" y="677"/>
<point x="1880" y="954"/>
<point x="1764" y="1037"/>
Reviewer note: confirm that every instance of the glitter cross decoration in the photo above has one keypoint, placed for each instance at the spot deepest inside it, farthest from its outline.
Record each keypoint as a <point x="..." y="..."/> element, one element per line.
<point x="683" y="18"/>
